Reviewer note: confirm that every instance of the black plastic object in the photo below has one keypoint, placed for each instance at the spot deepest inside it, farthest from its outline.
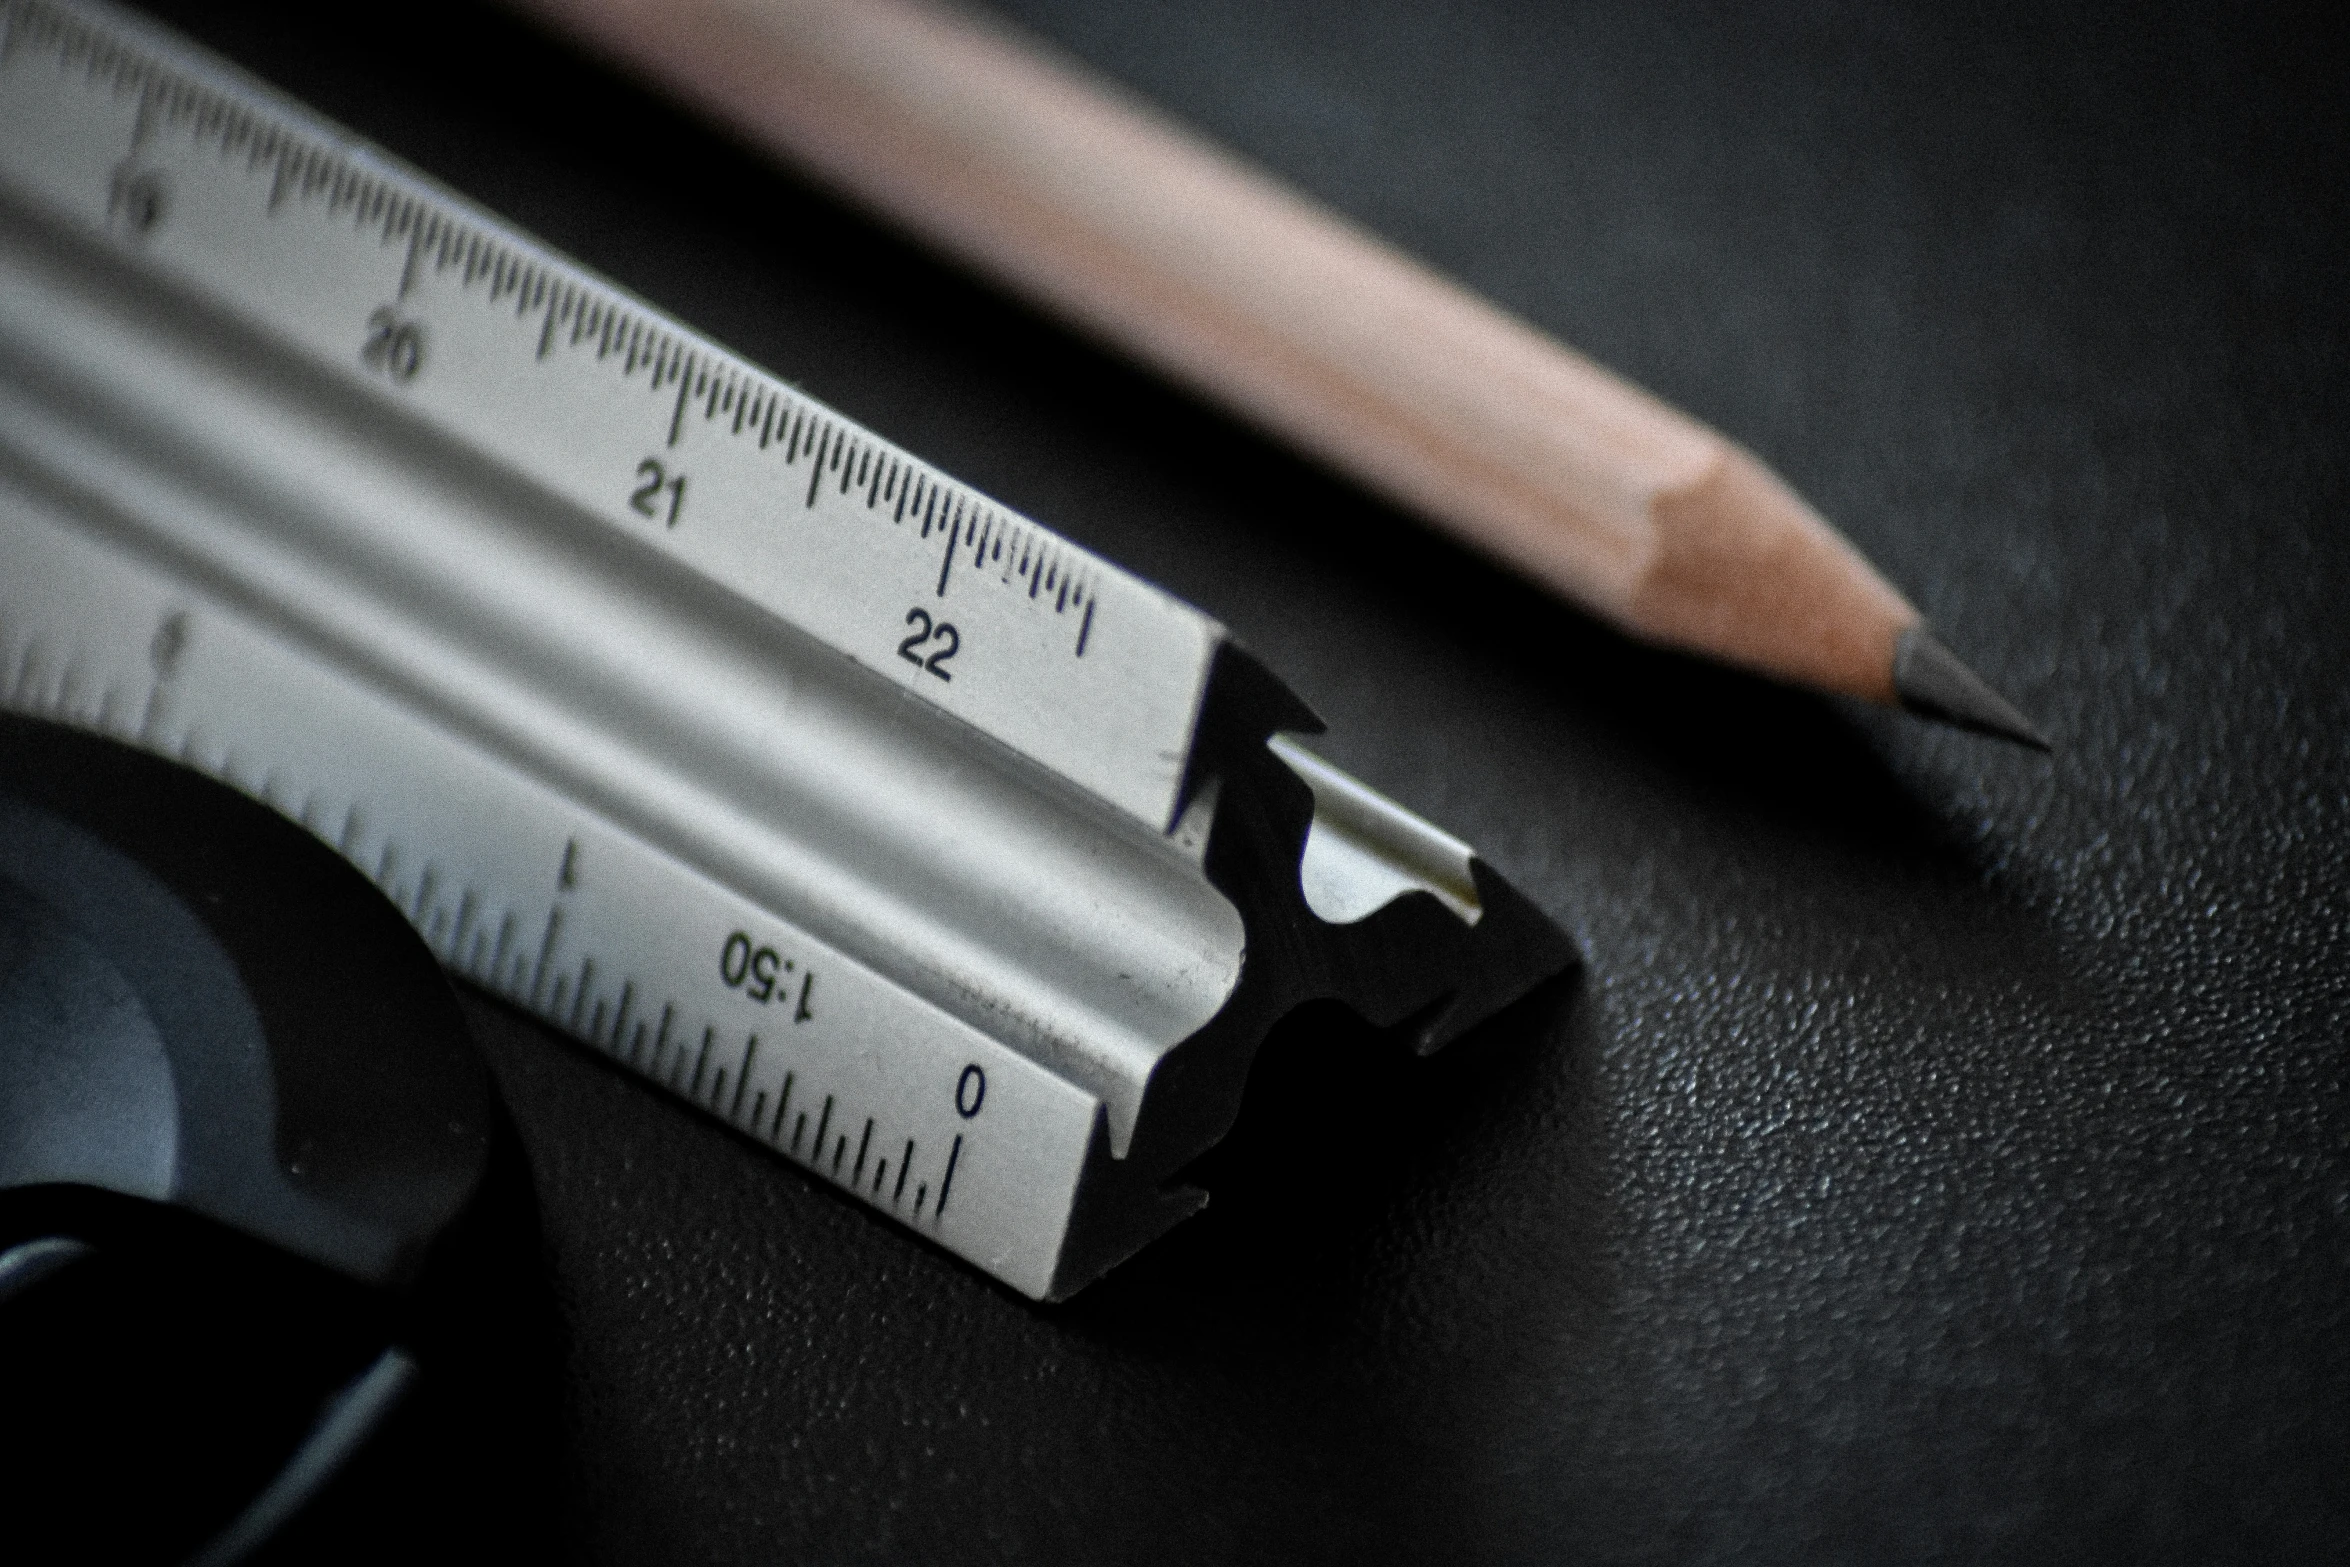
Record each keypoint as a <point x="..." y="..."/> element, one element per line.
<point x="240" y="1120"/>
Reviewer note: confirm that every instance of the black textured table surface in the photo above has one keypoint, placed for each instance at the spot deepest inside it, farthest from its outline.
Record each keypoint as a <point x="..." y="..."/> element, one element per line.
<point x="1943" y="1154"/>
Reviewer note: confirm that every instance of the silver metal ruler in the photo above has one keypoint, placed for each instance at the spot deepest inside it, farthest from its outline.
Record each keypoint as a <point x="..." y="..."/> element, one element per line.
<point x="960" y="867"/>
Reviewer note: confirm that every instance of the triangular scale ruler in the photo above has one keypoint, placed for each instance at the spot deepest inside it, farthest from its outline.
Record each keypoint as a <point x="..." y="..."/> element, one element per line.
<point x="955" y="864"/>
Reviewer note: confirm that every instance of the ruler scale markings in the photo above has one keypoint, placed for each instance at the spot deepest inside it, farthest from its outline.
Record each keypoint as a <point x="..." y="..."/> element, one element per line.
<point x="742" y="1079"/>
<point x="620" y="1014"/>
<point x="581" y="987"/>
<point x="953" y="1156"/>
<point x="661" y="1040"/>
<point x="677" y="415"/>
<point x="546" y="953"/>
<point x="782" y="1104"/>
<point x="816" y="469"/>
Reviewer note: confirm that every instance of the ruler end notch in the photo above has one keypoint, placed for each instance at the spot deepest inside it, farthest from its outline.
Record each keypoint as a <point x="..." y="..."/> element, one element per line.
<point x="1424" y="965"/>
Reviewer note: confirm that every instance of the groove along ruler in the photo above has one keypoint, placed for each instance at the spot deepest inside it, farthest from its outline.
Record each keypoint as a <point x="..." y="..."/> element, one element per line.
<point x="960" y="867"/>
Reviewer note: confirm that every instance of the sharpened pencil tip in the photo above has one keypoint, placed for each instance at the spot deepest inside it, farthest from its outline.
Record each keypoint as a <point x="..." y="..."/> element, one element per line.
<point x="1932" y="683"/>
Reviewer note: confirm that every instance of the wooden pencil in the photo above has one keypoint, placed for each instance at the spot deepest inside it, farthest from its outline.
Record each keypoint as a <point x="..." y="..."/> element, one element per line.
<point x="1072" y="193"/>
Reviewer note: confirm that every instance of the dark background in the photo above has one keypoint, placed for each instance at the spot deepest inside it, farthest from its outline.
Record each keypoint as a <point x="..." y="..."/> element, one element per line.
<point x="1943" y="1155"/>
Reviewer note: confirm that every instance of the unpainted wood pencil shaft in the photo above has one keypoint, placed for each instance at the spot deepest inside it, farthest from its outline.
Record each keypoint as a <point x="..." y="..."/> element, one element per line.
<point x="1088" y="202"/>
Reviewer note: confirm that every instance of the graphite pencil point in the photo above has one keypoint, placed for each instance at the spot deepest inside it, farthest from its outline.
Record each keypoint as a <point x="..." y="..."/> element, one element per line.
<point x="1932" y="683"/>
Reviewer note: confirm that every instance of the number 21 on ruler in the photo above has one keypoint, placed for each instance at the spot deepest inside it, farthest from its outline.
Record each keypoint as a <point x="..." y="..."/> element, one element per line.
<point x="653" y="479"/>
